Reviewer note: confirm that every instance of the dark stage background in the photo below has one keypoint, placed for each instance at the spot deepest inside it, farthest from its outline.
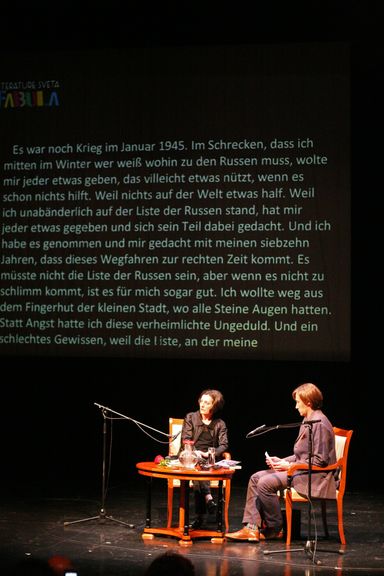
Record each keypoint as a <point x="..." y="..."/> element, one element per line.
<point x="52" y="439"/>
<point x="52" y="431"/>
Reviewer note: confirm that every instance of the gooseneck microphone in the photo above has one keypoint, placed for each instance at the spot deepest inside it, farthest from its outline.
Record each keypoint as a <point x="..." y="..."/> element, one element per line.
<point x="255" y="431"/>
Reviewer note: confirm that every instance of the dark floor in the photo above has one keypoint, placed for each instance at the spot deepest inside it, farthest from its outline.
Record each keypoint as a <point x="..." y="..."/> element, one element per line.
<point x="35" y="526"/>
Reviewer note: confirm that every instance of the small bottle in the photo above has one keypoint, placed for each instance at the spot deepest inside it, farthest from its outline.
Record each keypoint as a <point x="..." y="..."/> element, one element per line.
<point x="188" y="457"/>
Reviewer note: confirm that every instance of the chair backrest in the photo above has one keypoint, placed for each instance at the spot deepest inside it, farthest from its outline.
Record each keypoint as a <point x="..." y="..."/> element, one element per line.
<point x="342" y="441"/>
<point x="175" y="426"/>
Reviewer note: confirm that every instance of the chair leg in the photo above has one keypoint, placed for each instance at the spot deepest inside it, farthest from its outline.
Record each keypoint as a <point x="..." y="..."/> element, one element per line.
<point x="288" y="517"/>
<point x="227" y="496"/>
<point x="324" y="517"/>
<point x="170" y="503"/>
<point x="340" y="523"/>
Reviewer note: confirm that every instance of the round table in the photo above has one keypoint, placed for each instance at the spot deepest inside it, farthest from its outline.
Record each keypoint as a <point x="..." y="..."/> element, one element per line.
<point x="184" y="475"/>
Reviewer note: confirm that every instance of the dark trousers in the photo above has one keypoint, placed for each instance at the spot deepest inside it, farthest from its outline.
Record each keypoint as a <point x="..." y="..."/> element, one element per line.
<point x="200" y="489"/>
<point x="262" y="502"/>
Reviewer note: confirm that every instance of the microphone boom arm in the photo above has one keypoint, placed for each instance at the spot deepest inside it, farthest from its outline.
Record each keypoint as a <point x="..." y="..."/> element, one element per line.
<point x="132" y="420"/>
<point x="264" y="429"/>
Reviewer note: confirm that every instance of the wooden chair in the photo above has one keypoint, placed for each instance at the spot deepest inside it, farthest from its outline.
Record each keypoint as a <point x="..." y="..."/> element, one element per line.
<point x="175" y="427"/>
<point x="342" y="441"/>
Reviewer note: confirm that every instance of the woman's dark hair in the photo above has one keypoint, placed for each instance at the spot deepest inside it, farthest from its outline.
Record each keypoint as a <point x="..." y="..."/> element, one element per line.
<point x="217" y="397"/>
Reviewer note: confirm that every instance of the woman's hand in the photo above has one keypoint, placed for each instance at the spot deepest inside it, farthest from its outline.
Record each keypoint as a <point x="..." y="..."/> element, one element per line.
<point x="281" y="465"/>
<point x="201" y="454"/>
<point x="277" y="463"/>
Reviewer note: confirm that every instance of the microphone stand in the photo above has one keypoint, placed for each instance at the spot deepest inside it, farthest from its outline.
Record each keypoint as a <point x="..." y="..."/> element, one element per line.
<point x="102" y="515"/>
<point x="310" y="546"/>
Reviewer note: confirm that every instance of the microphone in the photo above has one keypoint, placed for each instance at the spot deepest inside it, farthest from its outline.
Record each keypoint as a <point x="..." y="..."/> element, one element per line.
<point x="255" y="431"/>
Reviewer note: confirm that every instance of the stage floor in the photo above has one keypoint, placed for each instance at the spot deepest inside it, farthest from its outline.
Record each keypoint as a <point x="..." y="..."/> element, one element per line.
<point x="34" y="526"/>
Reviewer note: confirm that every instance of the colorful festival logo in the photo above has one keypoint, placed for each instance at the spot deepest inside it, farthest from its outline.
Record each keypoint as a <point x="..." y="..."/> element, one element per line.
<point x="29" y="94"/>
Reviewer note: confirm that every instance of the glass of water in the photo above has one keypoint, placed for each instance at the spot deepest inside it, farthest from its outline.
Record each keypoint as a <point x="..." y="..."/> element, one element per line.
<point x="211" y="456"/>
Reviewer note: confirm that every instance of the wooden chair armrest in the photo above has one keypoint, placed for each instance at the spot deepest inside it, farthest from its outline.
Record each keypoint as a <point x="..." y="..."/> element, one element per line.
<point x="302" y="466"/>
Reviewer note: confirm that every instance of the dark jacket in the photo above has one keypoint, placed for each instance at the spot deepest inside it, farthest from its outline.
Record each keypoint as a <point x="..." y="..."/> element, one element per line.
<point x="193" y="427"/>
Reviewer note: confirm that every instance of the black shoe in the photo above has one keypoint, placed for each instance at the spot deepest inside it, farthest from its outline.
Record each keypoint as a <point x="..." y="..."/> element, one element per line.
<point x="197" y="523"/>
<point x="211" y="506"/>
